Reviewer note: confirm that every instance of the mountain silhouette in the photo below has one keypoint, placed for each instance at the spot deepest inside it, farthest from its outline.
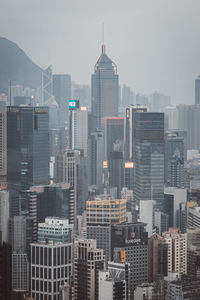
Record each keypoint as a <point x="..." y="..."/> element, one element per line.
<point x="16" y="66"/>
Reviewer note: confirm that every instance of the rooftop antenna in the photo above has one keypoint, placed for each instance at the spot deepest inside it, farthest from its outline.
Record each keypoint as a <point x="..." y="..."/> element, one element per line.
<point x="103" y="46"/>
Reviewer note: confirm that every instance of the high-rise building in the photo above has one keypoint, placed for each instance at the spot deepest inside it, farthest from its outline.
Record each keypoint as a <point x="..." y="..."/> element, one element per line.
<point x="189" y="121"/>
<point x="174" y="160"/>
<point x="177" y="250"/>
<point x="3" y="149"/>
<point x="88" y="261"/>
<point x="78" y="124"/>
<point x="105" y="89"/>
<point x="51" y="267"/>
<point x="188" y="287"/>
<point x="20" y="271"/>
<point x="27" y="146"/>
<point x="149" y="157"/>
<point x="96" y="163"/>
<point x="106" y="211"/>
<point x="129" y="243"/>
<point x="113" y="132"/>
<point x="128" y="174"/>
<point x="5" y="270"/>
<point x="55" y="229"/>
<point x="194" y="217"/>
<point x="129" y="129"/>
<point x="173" y="197"/>
<point x="116" y="171"/>
<point x="114" y="283"/>
<point x="127" y="96"/>
<point x="161" y="221"/>
<point x="197" y="90"/>
<point x="47" y="86"/>
<point x="193" y="252"/>
<point x="83" y="93"/>
<point x="72" y="168"/>
<point x="101" y="213"/>
<point x="62" y="90"/>
<point x="157" y="257"/>
<point x="4" y="216"/>
<point x="147" y="215"/>
<point x="171" y="117"/>
<point x="51" y="200"/>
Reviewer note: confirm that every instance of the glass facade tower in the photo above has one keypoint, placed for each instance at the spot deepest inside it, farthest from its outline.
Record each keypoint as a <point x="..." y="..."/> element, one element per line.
<point x="104" y="89"/>
<point x="27" y="146"/>
<point x="149" y="156"/>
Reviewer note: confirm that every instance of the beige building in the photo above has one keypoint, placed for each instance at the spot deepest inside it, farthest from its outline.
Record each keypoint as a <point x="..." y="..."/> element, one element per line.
<point x="177" y="250"/>
<point x="106" y="211"/>
<point x="88" y="261"/>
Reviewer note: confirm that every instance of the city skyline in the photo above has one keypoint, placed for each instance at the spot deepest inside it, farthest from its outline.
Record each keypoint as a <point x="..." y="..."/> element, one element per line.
<point x="154" y="44"/>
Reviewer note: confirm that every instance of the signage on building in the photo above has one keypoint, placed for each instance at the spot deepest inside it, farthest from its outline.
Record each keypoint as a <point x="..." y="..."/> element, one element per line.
<point x="123" y="256"/>
<point x="73" y="104"/>
<point x="129" y="165"/>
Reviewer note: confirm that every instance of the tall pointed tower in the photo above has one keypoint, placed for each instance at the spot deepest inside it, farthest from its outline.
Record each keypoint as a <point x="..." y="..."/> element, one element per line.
<point x="105" y="88"/>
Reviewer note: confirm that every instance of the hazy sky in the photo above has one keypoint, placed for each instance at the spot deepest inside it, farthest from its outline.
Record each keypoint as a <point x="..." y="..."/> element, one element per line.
<point x="155" y="43"/>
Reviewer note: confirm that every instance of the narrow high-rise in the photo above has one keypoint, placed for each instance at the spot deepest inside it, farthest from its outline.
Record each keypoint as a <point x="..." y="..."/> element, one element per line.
<point x="149" y="156"/>
<point x="105" y="88"/>
<point x="27" y="146"/>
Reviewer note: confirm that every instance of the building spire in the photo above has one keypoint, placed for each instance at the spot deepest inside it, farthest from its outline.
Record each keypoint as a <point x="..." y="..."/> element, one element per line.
<point x="103" y="47"/>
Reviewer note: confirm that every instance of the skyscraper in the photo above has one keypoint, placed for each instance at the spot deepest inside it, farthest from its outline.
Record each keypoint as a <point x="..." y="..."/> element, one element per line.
<point x="105" y="88"/>
<point x="101" y="214"/>
<point x="78" y="129"/>
<point x="149" y="157"/>
<point x="129" y="129"/>
<point x="96" y="163"/>
<point x="113" y="132"/>
<point x="62" y="89"/>
<point x="129" y="243"/>
<point x="51" y="267"/>
<point x="88" y="261"/>
<point x="71" y="168"/>
<point x="62" y="94"/>
<point x="174" y="160"/>
<point x="27" y="146"/>
<point x="157" y="257"/>
<point x="177" y="250"/>
<point x="47" y="87"/>
<point x="197" y="90"/>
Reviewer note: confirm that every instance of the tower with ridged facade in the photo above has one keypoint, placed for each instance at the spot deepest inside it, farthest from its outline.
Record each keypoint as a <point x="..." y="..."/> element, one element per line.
<point x="105" y="88"/>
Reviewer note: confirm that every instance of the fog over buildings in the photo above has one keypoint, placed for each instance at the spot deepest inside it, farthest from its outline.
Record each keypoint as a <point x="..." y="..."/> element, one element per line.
<point x="154" y="43"/>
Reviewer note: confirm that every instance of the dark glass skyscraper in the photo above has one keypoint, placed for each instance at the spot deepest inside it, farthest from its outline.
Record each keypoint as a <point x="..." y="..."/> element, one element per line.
<point x="149" y="156"/>
<point x="105" y="88"/>
<point x="27" y="146"/>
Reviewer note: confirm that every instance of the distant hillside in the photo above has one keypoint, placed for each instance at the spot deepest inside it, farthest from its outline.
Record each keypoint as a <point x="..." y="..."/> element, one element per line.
<point x="16" y="66"/>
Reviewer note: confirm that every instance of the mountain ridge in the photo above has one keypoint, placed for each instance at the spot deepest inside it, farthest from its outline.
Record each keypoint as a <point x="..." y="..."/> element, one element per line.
<point x="16" y="65"/>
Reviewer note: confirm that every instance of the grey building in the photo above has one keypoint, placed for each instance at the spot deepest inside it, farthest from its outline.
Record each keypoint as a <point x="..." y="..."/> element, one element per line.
<point x="174" y="160"/>
<point x="197" y="90"/>
<point x="129" y="130"/>
<point x="27" y="146"/>
<point x="62" y="94"/>
<point x="96" y="159"/>
<point x="105" y="88"/>
<point x="149" y="156"/>
<point x="129" y="243"/>
<point x="189" y="121"/>
<point x="51" y="267"/>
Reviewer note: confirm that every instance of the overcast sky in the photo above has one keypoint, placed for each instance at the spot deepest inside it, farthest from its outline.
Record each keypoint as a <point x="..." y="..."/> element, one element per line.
<point x="155" y="43"/>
